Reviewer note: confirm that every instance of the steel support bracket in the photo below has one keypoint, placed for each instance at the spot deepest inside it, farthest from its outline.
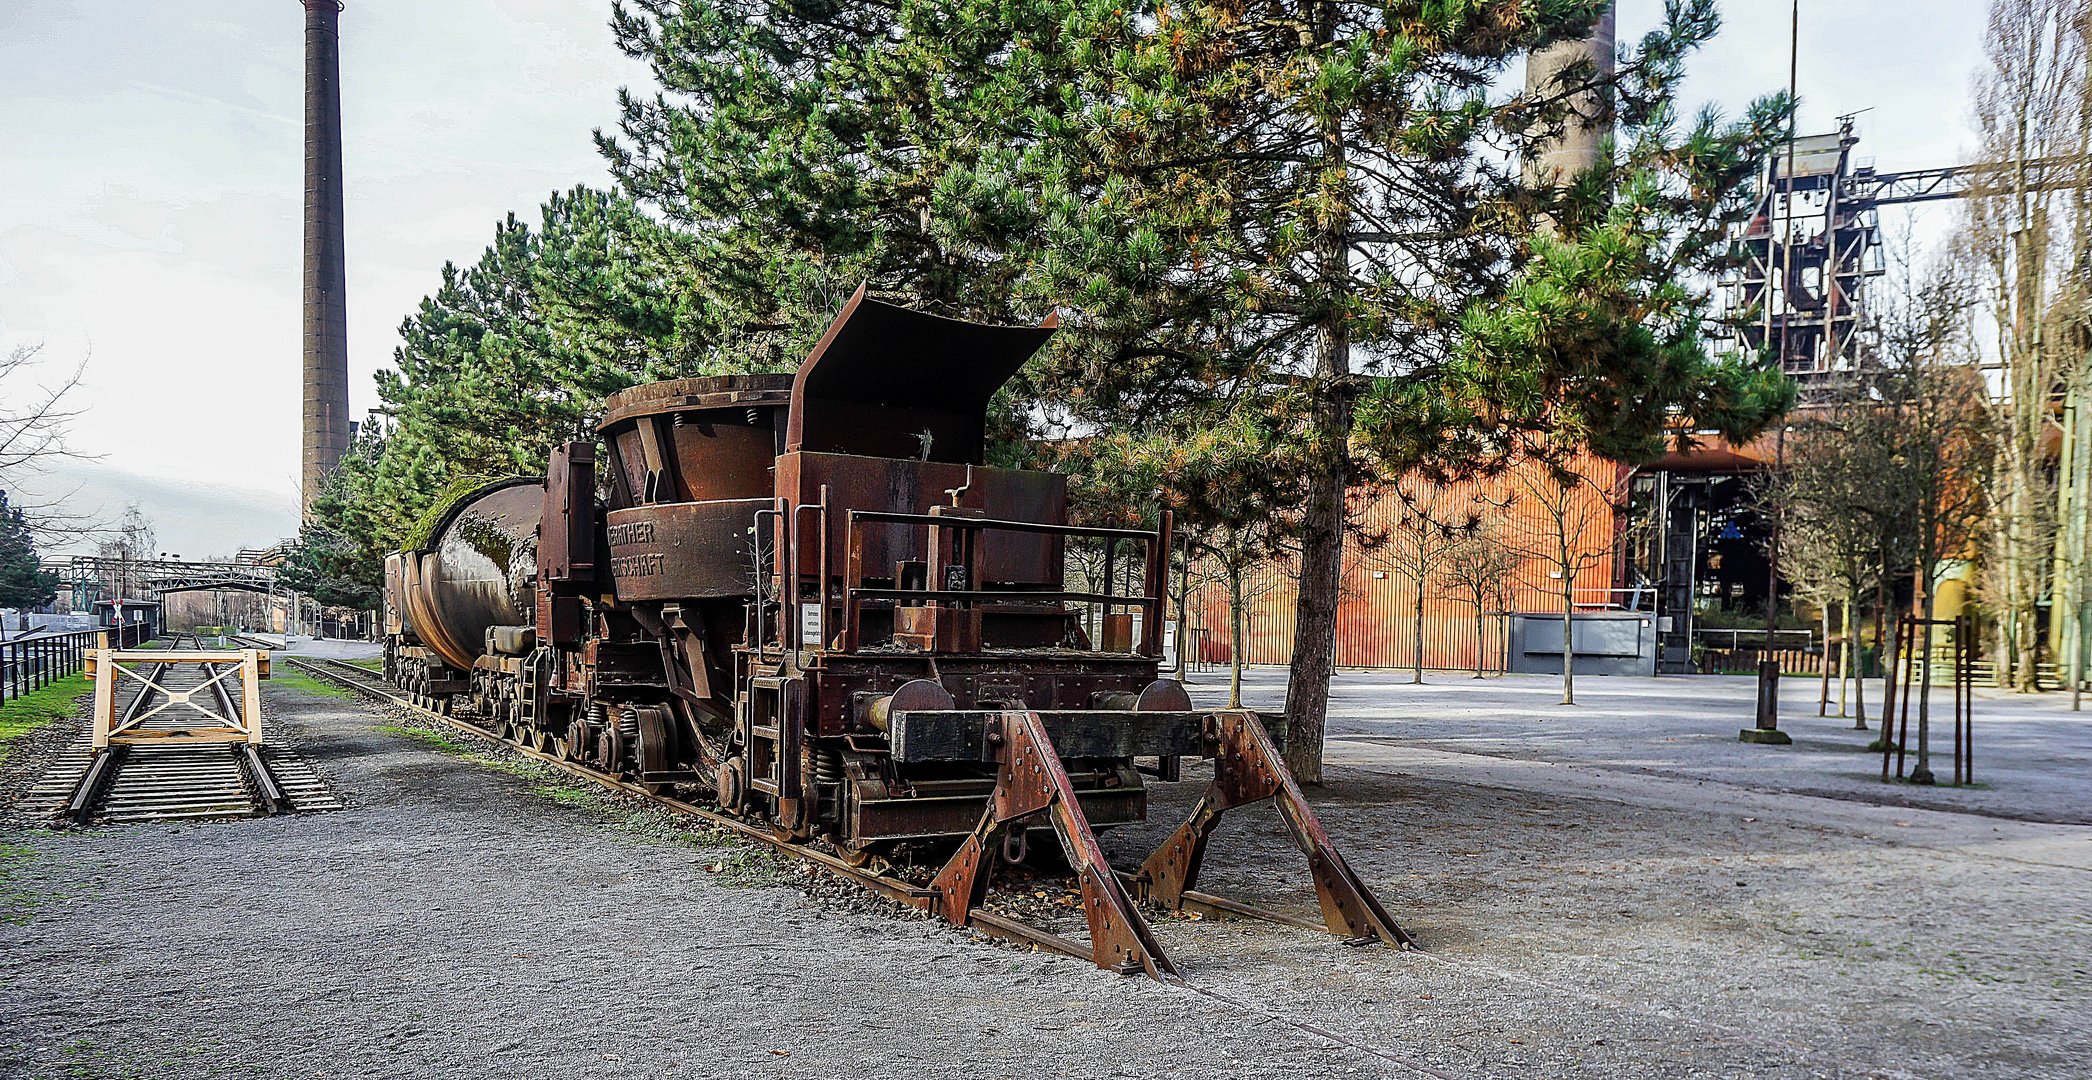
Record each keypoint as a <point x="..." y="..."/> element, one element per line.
<point x="1247" y="769"/>
<point x="1031" y="783"/>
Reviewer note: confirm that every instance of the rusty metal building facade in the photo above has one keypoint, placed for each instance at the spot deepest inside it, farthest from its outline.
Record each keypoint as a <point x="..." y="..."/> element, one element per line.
<point x="1377" y="614"/>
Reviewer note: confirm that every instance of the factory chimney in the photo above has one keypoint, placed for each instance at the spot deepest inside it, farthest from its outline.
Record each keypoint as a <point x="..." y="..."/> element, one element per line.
<point x="326" y="294"/>
<point x="1556" y="160"/>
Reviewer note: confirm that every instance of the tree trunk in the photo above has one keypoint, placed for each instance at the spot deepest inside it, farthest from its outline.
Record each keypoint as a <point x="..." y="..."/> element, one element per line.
<point x="1329" y="456"/>
<point x="1882" y="592"/>
<point x="1921" y="653"/>
<point x="1418" y="675"/>
<point x="1238" y="627"/>
<point x="1481" y="640"/>
<point x="1824" y="700"/>
<point x="1852" y="663"/>
<point x="1568" y="637"/>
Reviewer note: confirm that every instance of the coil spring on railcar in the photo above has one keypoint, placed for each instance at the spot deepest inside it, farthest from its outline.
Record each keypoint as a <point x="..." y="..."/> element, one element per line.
<point x="828" y="765"/>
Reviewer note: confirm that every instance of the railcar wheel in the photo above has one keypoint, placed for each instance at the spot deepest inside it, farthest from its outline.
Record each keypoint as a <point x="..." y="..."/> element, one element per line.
<point x="793" y="828"/>
<point x="863" y="854"/>
<point x="729" y="785"/>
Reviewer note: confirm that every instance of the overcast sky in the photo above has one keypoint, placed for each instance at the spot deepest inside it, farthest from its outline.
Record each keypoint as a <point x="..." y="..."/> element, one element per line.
<point x="151" y="173"/>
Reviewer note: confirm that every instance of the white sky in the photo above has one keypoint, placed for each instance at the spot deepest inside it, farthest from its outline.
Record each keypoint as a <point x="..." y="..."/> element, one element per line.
<point x="151" y="170"/>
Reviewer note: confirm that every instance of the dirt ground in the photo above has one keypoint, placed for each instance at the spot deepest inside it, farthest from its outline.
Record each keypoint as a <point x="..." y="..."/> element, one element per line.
<point x="473" y="915"/>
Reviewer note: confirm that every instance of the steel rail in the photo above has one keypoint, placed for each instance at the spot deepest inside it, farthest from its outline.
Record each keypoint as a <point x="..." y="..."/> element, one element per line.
<point x="915" y="896"/>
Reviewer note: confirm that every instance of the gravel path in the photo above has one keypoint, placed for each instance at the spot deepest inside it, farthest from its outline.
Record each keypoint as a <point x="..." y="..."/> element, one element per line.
<point x="471" y="916"/>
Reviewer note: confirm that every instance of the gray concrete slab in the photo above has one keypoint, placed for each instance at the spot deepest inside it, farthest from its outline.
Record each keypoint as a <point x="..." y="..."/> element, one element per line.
<point x="2033" y="755"/>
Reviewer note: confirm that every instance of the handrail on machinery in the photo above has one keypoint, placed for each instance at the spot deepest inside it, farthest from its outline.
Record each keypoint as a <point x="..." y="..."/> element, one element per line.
<point x="1150" y="601"/>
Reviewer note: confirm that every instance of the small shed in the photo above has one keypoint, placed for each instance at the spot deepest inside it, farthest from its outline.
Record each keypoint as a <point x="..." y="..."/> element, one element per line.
<point x="140" y="619"/>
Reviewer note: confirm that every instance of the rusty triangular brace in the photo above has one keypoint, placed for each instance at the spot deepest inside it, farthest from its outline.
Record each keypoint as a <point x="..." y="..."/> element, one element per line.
<point x="1031" y="781"/>
<point x="1247" y="769"/>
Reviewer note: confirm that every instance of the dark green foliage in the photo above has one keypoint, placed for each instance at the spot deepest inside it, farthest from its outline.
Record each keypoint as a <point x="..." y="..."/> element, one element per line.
<point x="333" y="569"/>
<point x="22" y="583"/>
<point x="1288" y="242"/>
<point x="509" y="357"/>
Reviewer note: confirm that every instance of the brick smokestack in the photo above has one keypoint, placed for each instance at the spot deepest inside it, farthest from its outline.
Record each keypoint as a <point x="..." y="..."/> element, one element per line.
<point x="326" y="293"/>
<point x="1556" y="160"/>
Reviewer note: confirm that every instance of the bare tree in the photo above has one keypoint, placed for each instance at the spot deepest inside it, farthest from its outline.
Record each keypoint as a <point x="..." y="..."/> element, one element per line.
<point x="1479" y="568"/>
<point x="1430" y="520"/>
<point x="2029" y="104"/>
<point x="1234" y="549"/>
<point x="1569" y="532"/>
<point x="131" y="542"/>
<point x="35" y="418"/>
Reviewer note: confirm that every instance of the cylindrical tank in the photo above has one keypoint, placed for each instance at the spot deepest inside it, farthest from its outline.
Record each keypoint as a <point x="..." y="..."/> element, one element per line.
<point x="474" y="569"/>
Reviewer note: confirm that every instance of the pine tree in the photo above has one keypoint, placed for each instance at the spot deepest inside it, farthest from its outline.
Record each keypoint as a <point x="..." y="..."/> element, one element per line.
<point x="23" y="583"/>
<point x="1302" y="211"/>
<point x="507" y="358"/>
<point x="1322" y="188"/>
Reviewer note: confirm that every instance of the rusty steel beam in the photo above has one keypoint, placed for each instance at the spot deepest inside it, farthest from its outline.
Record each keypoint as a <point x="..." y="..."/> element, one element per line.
<point x="1031" y="784"/>
<point x="1247" y="769"/>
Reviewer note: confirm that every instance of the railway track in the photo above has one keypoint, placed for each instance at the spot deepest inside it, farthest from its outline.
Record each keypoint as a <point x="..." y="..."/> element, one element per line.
<point x="370" y="684"/>
<point x="176" y="782"/>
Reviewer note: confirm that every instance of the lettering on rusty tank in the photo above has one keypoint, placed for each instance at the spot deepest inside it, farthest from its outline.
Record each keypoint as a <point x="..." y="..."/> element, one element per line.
<point x="632" y="532"/>
<point x="634" y="564"/>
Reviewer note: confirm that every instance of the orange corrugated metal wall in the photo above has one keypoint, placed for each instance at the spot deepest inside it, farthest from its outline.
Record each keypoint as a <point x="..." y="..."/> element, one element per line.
<point x="1376" y="616"/>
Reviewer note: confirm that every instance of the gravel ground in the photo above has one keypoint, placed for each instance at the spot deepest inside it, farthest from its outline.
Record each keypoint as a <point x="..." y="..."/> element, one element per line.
<point x="470" y="915"/>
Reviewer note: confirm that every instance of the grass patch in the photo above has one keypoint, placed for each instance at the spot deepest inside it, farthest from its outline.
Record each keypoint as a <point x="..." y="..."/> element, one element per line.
<point x="369" y="663"/>
<point x="33" y="710"/>
<point x="450" y="747"/>
<point x="16" y="904"/>
<point x="748" y="868"/>
<point x="732" y="861"/>
<point x="566" y="794"/>
<point x="286" y="675"/>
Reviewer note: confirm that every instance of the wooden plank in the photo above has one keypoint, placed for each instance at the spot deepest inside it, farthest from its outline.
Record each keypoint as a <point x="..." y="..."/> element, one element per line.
<point x="104" y="697"/>
<point x="170" y="656"/>
<point x="250" y="684"/>
<point x="167" y="737"/>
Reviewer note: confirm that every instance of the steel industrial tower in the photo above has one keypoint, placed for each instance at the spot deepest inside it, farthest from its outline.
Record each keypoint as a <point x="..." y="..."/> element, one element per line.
<point x="326" y="294"/>
<point x="1814" y="243"/>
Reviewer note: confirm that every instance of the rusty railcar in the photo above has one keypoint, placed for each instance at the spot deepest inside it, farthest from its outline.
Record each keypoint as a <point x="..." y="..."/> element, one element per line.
<point x="810" y="597"/>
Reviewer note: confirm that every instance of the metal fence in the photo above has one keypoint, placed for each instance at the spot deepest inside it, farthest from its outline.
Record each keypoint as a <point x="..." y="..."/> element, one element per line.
<point x="1726" y="651"/>
<point x="31" y="663"/>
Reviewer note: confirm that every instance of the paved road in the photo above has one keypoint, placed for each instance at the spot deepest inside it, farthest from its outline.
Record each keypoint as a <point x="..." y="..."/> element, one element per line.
<point x="2033" y="754"/>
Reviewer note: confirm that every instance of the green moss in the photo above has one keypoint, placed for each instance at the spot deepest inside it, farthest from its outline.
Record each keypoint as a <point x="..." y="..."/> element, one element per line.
<point x="38" y="708"/>
<point x="423" y="532"/>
